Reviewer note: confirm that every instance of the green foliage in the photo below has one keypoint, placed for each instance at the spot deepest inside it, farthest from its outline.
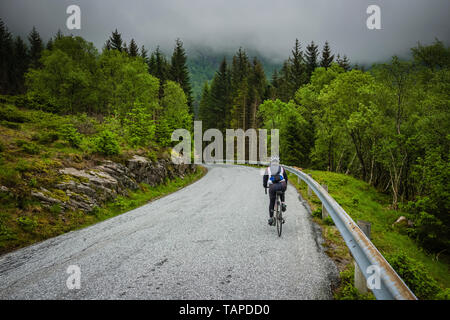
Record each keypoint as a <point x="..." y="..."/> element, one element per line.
<point x="46" y="137"/>
<point x="106" y="143"/>
<point x="175" y="113"/>
<point x="10" y="113"/>
<point x="27" y="224"/>
<point x="415" y="276"/>
<point x="347" y="289"/>
<point x="9" y="177"/>
<point x="71" y="135"/>
<point x="28" y="147"/>
<point x="139" y="126"/>
<point x="328" y="221"/>
<point x="317" y="213"/>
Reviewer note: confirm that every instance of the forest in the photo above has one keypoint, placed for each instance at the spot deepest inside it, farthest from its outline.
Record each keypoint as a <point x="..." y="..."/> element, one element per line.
<point x="388" y="125"/>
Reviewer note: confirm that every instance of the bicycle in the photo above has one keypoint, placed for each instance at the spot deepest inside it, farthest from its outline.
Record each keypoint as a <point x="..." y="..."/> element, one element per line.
<point x="278" y="215"/>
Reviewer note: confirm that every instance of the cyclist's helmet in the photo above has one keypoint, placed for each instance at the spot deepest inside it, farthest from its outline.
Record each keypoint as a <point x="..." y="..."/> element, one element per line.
<point x="275" y="160"/>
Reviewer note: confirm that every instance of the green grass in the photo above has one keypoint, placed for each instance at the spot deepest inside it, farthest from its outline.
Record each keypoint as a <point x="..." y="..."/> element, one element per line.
<point x="362" y="202"/>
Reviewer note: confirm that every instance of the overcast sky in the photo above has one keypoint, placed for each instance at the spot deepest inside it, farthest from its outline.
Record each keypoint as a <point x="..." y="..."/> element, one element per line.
<point x="269" y="26"/>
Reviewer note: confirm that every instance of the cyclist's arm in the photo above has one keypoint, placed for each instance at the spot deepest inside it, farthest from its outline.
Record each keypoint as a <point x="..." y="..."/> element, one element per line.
<point x="285" y="176"/>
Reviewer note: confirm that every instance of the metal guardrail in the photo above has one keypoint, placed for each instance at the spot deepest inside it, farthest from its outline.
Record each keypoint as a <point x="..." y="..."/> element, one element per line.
<point x="362" y="249"/>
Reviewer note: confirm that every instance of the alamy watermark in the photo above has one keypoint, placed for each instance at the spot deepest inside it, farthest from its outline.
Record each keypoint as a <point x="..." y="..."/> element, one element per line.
<point x="74" y="19"/>
<point x="74" y="279"/>
<point x="213" y="152"/>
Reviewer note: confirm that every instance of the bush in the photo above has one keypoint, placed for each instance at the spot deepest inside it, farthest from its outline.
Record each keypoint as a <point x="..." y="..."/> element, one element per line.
<point x="46" y="137"/>
<point x="71" y="135"/>
<point x="11" y="125"/>
<point x="106" y="143"/>
<point x="27" y="223"/>
<point x="2" y="147"/>
<point x="9" y="177"/>
<point x="328" y="221"/>
<point x="415" y="276"/>
<point x="317" y="213"/>
<point x="28" y="147"/>
<point x="12" y="114"/>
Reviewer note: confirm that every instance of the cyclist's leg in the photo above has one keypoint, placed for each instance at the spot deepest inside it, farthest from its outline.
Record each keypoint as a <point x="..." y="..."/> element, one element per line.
<point x="272" y="197"/>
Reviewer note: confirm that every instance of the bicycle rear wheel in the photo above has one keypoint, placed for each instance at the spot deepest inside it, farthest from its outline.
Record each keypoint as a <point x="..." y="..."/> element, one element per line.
<point x="279" y="220"/>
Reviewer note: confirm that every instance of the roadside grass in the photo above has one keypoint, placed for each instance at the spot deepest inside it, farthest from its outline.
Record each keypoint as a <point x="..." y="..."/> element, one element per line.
<point x="362" y="202"/>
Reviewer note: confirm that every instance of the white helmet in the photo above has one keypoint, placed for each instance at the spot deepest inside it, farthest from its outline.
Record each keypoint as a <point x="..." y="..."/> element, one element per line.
<point x="275" y="159"/>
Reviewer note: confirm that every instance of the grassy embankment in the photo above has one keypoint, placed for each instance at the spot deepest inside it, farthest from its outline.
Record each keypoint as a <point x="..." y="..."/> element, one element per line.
<point x="33" y="146"/>
<point x="427" y="275"/>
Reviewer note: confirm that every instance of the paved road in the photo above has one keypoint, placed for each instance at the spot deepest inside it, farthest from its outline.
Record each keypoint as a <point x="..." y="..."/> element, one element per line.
<point x="209" y="240"/>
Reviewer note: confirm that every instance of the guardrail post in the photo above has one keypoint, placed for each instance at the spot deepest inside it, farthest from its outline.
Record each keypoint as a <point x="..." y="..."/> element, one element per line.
<point x="324" y="210"/>
<point x="309" y="189"/>
<point x="360" y="280"/>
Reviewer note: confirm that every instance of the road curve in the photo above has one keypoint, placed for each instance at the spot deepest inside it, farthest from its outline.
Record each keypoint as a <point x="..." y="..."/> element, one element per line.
<point x="209" y="240"/>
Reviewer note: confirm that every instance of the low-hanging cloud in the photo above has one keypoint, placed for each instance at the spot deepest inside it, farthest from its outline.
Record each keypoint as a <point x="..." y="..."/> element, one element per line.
<point x="266" y="26"/>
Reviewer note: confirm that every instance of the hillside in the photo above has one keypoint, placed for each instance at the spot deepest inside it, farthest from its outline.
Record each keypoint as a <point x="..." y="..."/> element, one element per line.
<point x="203" y="64"/>
<point x="426" y="274"/>
<point x="59" y="173"/>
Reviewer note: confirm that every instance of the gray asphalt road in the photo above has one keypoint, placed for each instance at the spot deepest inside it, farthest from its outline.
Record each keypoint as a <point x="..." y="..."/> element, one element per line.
<point x="209" y="240"/>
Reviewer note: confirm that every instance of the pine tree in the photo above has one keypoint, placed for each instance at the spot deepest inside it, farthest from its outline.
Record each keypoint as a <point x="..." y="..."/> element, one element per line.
<point x="327" y="57"/>
<point x="285" y="85"/>
<point x="258" y="86"/>
<point x="343" y="63"/>
<point x="204" y="112"/>
<point x="115" y="41"/>
<point x="133" y="49"/>
<point x="125" y="48"/>
<point x="49" y="45"/>
<point x="220" y="98"/>
<point x="36" y="48"/>
<point x="144" y="54"/>
<point x="21" y="63"/>
<point x="311" y="58"/>
<point x="6" y="53"/>
<point x="160" y="69"/>
<point x="297" y="67"/>
<point x="240" y="71"/>
<point x="179" y="72"/>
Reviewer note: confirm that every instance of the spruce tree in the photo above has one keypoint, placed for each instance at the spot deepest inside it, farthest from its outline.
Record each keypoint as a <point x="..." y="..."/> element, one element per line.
<point x="115" y="41"/>
<point x="179" y="72"/>
<point x="257" y="86"/>
<point x="6" y="53"/>
<point x="327" y="57"/>
<point x="297" y="67"/>
<point x="220" y="98"/>
<point x="124" y="47"/>
<point x="133" y="49"/>
<point x="21" y="63"/>
<point x="144" y="54"/>
<point x="311" y="58"/>
<point x="204" y="111"/>
<point x="36" y="48"/>
<point x="240" y="71"/>
<point x="160" y="69"/>
<point x="343" y="62"/>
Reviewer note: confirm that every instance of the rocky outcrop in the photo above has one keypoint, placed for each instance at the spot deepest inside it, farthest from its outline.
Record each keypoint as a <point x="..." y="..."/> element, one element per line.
<point x="89" y="188"/>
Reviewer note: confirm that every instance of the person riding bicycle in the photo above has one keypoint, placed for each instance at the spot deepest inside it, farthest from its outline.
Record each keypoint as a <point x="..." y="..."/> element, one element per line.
<point x="275" y="178"/>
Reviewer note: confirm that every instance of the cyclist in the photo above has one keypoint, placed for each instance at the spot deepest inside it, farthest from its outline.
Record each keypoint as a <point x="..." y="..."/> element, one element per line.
<point x="275" y="178"/>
